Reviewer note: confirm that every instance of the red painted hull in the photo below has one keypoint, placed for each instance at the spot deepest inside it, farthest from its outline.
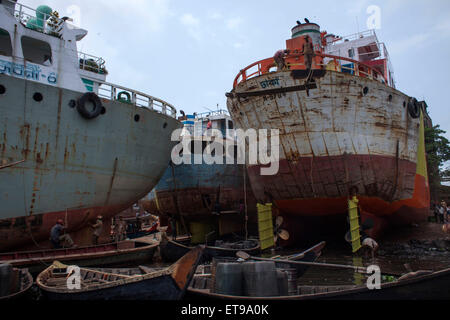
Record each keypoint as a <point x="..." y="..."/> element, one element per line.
<point x="312" y="193"/>
<point x="33" y="232"/>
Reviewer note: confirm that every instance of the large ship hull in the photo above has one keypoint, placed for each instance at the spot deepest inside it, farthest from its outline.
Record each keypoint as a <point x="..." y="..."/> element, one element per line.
<point x="337" y="132"/>
<point x="192" y="191"/>
<point x="73" y="168"/>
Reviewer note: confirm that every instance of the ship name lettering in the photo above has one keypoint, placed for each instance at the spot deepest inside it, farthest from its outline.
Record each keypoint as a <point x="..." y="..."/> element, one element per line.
<point x="270" y="83"/>
<point x="32" y="72"/>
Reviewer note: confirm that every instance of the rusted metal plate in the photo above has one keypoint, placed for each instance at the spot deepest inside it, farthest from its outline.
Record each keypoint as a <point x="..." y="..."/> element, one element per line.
<point x="73" y="164"/>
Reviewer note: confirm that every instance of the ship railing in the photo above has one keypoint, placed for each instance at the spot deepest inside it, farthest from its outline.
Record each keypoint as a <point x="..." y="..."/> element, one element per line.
<point x="211" y="114"/>
<point x="355" y="36"/>
<point x="50" y="24"/>
<point x="341" y="64"/>
<point x="115" y="92"/>
<point x="91" y="63"/>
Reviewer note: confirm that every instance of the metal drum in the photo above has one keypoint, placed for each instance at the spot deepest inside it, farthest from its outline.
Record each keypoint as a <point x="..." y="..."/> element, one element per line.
<point x="6" y="272"/>
<point x="292" y="281"/>
<point x="228" y="279"/>
<point x="260" y="279"/>
<point x="282" y="281"/>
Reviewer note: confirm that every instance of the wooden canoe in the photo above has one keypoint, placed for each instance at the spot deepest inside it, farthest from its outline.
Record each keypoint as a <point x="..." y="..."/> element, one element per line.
<point x="111" y="254"/>
<point x="167" y="284"/>
<point x="171" y="250"/>
<point x="422" y="285"/>
<point x="21" y="281"/>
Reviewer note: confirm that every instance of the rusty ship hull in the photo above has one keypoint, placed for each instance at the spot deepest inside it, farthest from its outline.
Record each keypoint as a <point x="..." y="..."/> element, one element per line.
<point x="192" y="191"/>
<point x="337" y="131"/>
<point x="72" y="168"/>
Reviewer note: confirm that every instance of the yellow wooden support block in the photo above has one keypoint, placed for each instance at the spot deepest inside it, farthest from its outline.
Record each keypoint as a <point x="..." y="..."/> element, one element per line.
<point x="265" y="226"/>
<point x="354" y="224"/>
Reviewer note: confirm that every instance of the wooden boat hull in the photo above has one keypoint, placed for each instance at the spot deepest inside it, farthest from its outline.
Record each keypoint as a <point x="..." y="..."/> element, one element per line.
<point x="103" y="255"/>
<point x="169" y="284"/>
<point x="434" y="286"/>
<point x="162" y="288"/>
<point x="172" y="250"/>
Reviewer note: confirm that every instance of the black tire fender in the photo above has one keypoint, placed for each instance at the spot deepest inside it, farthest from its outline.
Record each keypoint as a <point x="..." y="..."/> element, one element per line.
<point x="413" y="108"/>
<point x="85" y="112"/>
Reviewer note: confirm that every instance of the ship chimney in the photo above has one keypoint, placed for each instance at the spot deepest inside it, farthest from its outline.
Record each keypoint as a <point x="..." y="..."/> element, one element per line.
<point x="307" y="29"/>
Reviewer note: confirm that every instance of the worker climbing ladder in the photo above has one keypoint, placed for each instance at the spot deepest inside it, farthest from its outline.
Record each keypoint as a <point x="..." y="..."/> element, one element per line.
<point x="355" y="235"/>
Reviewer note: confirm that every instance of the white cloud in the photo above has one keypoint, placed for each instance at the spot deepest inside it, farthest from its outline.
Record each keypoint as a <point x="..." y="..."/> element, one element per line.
<point x="215" y="16"/>
<point x="193" y="25"/>
<point x="189" y="20"/>
<point x="233" y="23"/>
<point x="410" y="43"/>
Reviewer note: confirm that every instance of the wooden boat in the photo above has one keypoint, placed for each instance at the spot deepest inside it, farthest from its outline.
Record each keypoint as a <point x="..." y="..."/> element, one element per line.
<point x="171" y="250"/>
<point x="421" y="285"/>
<point x="167" y="284"/>
<point x="110" y="254"/>
<point x="145" y="231"/>
<point x="19" y="284"/>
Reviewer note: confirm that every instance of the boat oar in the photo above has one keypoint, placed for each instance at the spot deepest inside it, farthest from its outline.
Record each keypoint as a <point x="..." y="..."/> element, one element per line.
<point x="245" y="256"/>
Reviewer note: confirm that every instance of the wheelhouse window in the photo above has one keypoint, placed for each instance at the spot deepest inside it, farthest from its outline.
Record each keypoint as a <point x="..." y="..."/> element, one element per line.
<point x="37" y="51"/>
<point x="5" y="43"/>
<point x="351" y="53"/>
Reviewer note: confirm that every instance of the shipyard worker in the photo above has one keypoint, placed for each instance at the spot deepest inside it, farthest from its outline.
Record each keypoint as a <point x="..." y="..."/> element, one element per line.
<point x="444" y="215"/>
<point x="120" y="230"/>
<point x="173" y="227"/>
<point x="57" y="237"/>
<point x="442" y="211"/>
<point x="436" y="207"/>
<point x="98" y="226"/>
<point x="308" y="52"/>
<point x="279" y="59"/>
<point x="370" y="245"/>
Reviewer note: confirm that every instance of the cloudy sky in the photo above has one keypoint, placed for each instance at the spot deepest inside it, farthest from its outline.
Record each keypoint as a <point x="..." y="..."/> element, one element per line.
<point x="188" y="52"/>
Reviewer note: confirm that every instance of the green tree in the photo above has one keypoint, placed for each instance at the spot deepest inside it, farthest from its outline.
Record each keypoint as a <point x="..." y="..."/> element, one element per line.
<point x="438" y="153"/>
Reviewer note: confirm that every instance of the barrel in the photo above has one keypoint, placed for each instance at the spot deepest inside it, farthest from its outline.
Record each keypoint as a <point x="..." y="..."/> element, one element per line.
<point x="260" y="279"/>
<point x="6" y="272"/>
<point x="282" y="281"/>
<point x="228" y="279"/>
<point x="214" y="263"/>
<point x="292" y="281"/>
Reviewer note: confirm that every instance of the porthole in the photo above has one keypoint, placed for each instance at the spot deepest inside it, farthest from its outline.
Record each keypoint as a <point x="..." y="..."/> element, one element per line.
<point x="72" y="103"/>
<point x="137" y="118"/>
<point x="38" y="97"/>
<point x="390" y="98"/>
<point x="2" y="89"/>
<point x="365" y="90"/>
<point x="165" y="125"/>
<point x="103" y="111"/>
